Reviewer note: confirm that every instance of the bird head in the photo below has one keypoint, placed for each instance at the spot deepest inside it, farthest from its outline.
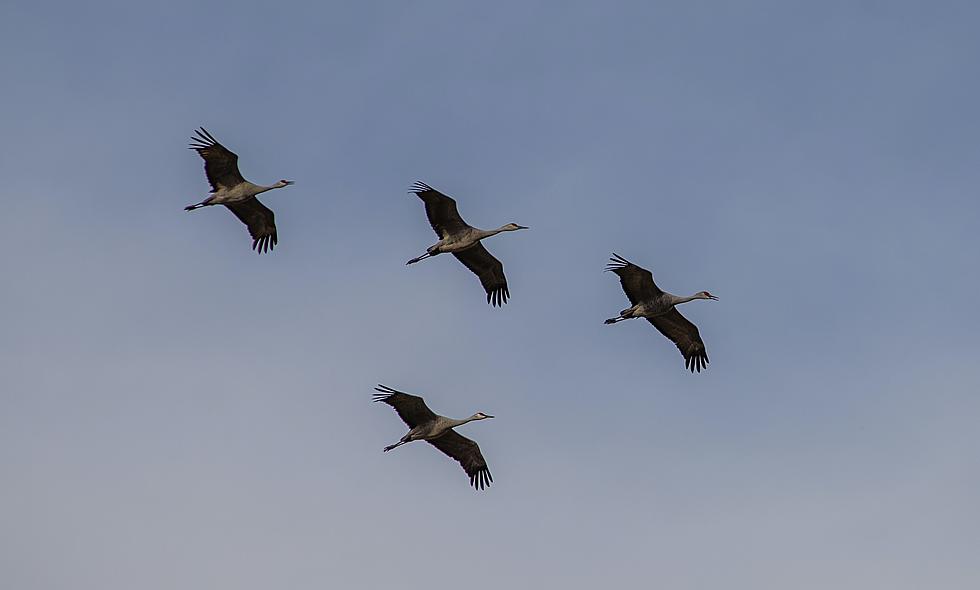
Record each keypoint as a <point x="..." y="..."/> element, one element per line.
<point x="706" y="295"/>
<point x="513" y="227"/>
<point x="481" y="416"/>
<point x="283" y="183"/>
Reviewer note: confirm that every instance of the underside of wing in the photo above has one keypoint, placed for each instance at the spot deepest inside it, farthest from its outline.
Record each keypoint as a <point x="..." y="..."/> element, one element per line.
<point x="467" y="452"/>
<point x="220" y="163"/>
<point x="637" y="282"/>
<point x="440" y="209"/>
<point x="410" y="408"/>
<point x="489" y="270"/>
<point x="685" y="335"/>
<point x="261" y="223"/>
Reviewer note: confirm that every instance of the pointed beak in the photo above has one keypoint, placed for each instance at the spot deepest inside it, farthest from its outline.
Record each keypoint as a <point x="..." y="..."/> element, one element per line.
<point x="523" y="227"/>
<point x="289" y="182"/>
<point x="712" y="297"/>
<point x="489" y="416"/>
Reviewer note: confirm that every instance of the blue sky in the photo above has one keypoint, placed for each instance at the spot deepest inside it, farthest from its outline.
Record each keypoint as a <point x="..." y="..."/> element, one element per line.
<point x="176" y="411"/>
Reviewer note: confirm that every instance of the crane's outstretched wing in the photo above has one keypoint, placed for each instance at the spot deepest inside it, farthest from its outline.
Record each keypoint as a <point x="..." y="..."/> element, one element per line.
<point x="467" y="452"/>
<point x="220" y="163"/>
<point x="489" y="269"/>
<point x="411" y="408"/>
<point x="261" y="222"/>
<point x="440" y="209"/>
<point x="685" y="335"/>
<point x="637" y="282"/>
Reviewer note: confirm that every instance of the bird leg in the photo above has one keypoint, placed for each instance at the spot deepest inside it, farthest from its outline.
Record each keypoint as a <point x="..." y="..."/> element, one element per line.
<point x="614" y="320"/>
<point x="397" y="444"/>
<point x="420" y="258"/>
<point x="203" y="203"/>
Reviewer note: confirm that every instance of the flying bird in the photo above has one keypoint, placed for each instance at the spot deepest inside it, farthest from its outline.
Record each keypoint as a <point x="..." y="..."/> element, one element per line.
<point x="228" y="188"/>
<point x="659" y="308"/>
<point x="438" y="431"/>
<point x="463" y="240"/>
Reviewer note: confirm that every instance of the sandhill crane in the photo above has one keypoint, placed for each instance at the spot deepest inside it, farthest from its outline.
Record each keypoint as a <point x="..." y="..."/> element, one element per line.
<point x="658" y="307"/>
<point x="438" y="431"/>
<point x="463" y="240"/>
<point x="228" y="188"/>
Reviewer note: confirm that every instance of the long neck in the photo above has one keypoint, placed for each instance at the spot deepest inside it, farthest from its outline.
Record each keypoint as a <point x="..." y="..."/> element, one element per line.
<point x="677" y="299"/>
<point x="454" y="422"/>
<point x="259" y="189"/>
<point x="486" y="233"/>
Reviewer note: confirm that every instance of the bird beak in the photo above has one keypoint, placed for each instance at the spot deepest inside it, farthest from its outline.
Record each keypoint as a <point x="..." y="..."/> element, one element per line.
<point x="523" y="227"/>
<point x="712" y="297"/>
<point x="489" y="416"/>
<point x="289" y="182"/>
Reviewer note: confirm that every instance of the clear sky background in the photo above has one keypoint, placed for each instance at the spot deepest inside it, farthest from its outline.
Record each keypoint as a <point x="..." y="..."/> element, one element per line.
<point x="178" y="412"/>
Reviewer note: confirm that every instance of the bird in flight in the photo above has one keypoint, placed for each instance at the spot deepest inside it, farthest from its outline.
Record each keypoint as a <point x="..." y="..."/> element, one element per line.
<point x="463" y="240"/>
<point x="424" y="424"/>
<point x="659" y="308"/>
<point x="230" y="189"/>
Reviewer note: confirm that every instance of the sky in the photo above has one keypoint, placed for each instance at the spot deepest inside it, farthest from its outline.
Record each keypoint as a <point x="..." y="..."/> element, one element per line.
<point x="179" y="412"/>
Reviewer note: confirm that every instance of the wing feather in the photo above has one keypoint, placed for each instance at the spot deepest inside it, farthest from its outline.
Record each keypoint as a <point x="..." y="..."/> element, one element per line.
<point x="637" y="282"/>
<point x="490" y="271"/>
<point x="468" y="454"/>
<point x="261" y="222"/>
<point x="410" y="408"/>
<point x="220" y="163"/>
<point x="440" y="209"/>
<point x="685" y="335"/>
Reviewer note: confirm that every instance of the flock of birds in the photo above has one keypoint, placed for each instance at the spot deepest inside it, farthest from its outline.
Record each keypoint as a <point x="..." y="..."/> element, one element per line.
<point x="647" y="300"/>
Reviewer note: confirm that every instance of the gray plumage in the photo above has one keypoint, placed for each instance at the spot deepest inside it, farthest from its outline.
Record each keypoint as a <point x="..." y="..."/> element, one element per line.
<point x="659" y="308"/>
<point x="230" y="189"/>
<point x="424" y="424"/>
<point x="463" y="240"/>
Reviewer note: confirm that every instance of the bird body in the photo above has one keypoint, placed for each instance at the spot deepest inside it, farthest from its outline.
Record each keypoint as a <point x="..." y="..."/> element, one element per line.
<point x="653" y="307"/>
<point x="466" y="238"/>
<point x="464" y="242"/>
<point x="424" y="424"/>
<point x="236" y="194"/>
<point x="230" y="189"/>
<point x="435" y="428"/>
<point x="660" y="309"/>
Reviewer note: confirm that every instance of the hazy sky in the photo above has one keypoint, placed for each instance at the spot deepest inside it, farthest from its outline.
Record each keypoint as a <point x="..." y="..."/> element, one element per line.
<point x="178" y="412"/>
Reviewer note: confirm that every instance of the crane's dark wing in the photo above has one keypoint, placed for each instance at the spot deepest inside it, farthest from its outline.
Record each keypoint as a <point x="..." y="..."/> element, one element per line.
<point x="467" y="452"/>
<point x="637" y="282"/>
<point x="220" y="163"/>
<point x="411" y="408"/>
<point x="685" y="335"/>
<point x="440" y="209"/>
<point x="261" y="222"/>
<point x="489" y="269"/>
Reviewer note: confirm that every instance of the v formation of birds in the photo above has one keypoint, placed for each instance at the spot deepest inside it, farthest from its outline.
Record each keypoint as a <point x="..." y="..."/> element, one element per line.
<point x="463" y="241"/>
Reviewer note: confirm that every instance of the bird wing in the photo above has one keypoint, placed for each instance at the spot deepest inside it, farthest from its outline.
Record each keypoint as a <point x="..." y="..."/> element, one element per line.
<point x="489" y="269"/>
<point x="440" y="209"/>
<point x="220" y="163"/>
<point x="685" y="335"/>
<point x="411" y="408"/>
<point x="261" y="222"/>
<point x="467" y="452"/>
<point x="637" y="282"/>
